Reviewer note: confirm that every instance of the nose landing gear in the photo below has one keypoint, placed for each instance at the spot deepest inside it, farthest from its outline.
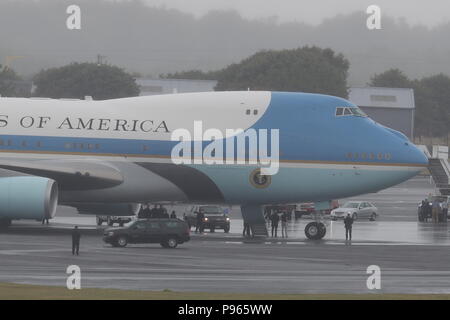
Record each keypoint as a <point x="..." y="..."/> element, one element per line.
<point x="315" y="230"/>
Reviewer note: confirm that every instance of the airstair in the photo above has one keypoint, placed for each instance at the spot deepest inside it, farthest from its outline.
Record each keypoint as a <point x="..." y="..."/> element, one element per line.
<point x="259" y="230"/>
<point x="439" y="167"/>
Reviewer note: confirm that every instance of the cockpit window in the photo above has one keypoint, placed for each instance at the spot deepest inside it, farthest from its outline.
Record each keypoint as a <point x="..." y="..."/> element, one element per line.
<point x="350" y="111"/>
<point x="358" y="112"/>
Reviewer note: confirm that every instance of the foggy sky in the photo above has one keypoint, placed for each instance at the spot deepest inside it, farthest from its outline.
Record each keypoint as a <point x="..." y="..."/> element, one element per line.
<point x="429" y="13"/>
<point x="152" y="40"/>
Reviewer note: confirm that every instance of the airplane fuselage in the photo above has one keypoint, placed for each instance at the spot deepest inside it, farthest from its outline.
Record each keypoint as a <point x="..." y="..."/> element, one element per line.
<point x="127" y="142"/>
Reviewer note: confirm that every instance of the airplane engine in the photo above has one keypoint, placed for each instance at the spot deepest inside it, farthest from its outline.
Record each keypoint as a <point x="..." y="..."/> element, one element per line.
<point x="28" y="197"/>
<point x="109" y="209"/>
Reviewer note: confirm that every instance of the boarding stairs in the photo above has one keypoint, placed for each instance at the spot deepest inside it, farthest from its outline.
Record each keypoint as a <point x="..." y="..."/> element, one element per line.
<point x="259" y="230"/>
<point x="439" y="167"/>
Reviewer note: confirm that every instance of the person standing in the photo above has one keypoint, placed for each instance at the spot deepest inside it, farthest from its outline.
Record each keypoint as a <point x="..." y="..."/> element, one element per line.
<point x="284" y="224"/>
<point x="445" y="210"/>
<point x="247" y="230"/>
<point x="173" y="215"/>
<point x="147" y="213"/>
<point x="76" y="235"/>
<point x="275" y="218"/>
<point x="199" y="224"/>
<point x="348" y="223"/>
<point x="435" y="210"/>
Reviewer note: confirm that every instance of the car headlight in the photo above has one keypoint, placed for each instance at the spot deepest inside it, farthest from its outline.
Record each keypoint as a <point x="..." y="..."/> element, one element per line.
<point x="228" y="219"/>
<point x="206" y="219"/>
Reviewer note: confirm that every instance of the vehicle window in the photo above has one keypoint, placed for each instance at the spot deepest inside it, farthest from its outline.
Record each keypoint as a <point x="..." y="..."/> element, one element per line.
<point x="171" y="224"/>
<point x="351" y="205"/>
<point x="211" y="209"/>
<point x="347" y="112"/>
<point x="339" y="111"/>
<point x="154" y="225"/>
<point x="140" y="225"/>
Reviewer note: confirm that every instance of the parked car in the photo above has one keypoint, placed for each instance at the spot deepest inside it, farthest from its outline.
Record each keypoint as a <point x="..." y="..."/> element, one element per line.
<point x="167" y="232"/>
<point x="304" y="209"/>
<point x="111" y="220"/>
<point x="308" y="208"/>
<point x="214" y="217"/>
<point x="357" y="209"/>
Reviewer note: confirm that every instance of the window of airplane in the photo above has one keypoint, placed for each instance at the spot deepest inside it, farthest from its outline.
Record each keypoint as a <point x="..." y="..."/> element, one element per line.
<point x="1" y="142"/>
<point x="39" y="144"/>
<point x="97" y="146"/>
<point x="363" y="155"/>
<point x="9" y="143"/>
<point x="349" y="155"/>
<point x="24" y="143"/>
<point x="248" y="112"/>
<point x="350" y="111"/>
<point x="387" y="156"/>
<point x="357" y="112"/>
<point x="90" y="146"/>
<point x="380" y="156"/>
<point x="372" y="156"/>
<point x="145" y="148"/>
<point x="68" y="145"/>
<point x="255" y="112"/>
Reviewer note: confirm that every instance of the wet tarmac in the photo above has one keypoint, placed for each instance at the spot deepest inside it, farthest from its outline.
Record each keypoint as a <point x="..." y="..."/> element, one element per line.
<point x="413" y="256"/>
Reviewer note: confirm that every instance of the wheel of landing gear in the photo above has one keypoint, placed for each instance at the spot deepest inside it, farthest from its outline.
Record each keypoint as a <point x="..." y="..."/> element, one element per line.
<point x="323" y="230"/>
<point x="315" y="230"/>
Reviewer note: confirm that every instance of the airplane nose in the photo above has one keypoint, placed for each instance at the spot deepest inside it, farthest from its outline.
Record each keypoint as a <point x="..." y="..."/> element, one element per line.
<point x="422" y="157"/>
<point x="414" y="156"/>
<point x="409" y="153"/>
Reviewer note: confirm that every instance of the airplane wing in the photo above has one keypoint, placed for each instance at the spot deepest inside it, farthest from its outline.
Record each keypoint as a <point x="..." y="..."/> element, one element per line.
<point x="71" y="174"/>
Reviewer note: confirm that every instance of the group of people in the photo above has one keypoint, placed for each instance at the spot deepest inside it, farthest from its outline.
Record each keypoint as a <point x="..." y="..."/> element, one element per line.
<point x="437" y="210"/>
<point x="275" y="218"/>
<point x="155" y="212"/>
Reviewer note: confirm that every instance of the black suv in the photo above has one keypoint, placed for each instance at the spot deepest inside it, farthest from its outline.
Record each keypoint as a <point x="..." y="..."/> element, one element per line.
<point x="168" y="232"/>
<point x="213" y="219"/>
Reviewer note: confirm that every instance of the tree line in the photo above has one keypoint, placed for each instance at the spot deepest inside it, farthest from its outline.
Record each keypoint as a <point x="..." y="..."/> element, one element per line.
<point x="306" y="69"/>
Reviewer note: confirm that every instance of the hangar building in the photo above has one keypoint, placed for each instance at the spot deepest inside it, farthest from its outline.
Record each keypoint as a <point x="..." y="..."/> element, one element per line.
<point x="150" y="87"/>
<point x="392" y="107"/>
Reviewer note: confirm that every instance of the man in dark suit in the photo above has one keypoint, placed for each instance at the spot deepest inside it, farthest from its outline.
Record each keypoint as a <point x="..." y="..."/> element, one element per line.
<point x="348" y="223"/>
<point x="76" y="235"/>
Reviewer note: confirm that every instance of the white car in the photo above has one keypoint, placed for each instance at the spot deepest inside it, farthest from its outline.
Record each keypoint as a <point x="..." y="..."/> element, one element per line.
<point x="357" y="210"/>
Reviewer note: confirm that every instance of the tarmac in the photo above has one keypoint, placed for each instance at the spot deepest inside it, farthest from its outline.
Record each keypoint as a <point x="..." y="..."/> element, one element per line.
<point x="412" y="256"/>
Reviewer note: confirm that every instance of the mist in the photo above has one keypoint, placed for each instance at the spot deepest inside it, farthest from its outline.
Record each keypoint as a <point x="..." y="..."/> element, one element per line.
<point x="155" y="40"/>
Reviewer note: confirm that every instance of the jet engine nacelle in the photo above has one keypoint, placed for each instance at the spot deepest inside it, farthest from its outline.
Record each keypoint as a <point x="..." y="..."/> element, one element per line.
<point x="109" y="209"/>
<point x="28" y="197"/>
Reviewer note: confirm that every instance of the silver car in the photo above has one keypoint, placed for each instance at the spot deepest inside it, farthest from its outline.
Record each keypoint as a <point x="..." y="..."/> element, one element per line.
<point x="357" y="210"/>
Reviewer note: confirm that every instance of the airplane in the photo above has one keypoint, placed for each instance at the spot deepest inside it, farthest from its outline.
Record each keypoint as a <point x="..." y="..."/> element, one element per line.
<point x="107" y="157"/>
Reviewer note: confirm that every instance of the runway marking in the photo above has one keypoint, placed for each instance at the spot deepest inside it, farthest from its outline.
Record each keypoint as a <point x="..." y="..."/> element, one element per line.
<point x="21" y="252"/>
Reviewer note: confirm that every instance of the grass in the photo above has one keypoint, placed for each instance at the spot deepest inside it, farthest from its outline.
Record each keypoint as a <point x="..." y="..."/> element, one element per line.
<point x="10" y="291"/>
